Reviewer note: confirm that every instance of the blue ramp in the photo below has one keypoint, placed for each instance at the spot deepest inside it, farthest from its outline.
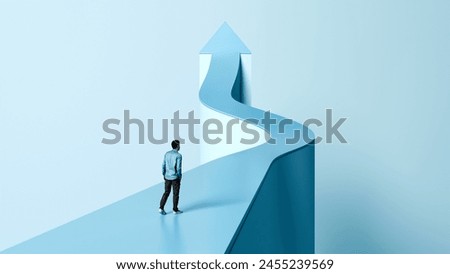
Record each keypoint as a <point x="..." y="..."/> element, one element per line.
<point x="259" y="200"/>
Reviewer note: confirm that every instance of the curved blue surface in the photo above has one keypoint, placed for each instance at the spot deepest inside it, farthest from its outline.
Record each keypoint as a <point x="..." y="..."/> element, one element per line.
<point x="280" y="218"/>
<point x="259" y="200"/>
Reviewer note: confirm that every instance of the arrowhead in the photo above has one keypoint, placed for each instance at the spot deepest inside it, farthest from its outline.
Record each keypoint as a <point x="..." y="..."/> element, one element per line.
<point x="225" y="40"/>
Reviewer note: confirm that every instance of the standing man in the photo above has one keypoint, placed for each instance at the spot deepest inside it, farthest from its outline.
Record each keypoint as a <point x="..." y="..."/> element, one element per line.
<point x="171" y="170"/>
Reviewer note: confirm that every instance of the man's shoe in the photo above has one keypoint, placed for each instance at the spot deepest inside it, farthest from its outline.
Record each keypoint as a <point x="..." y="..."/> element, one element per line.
<point x="177" y="212"/>
<point x="162" y="212"/>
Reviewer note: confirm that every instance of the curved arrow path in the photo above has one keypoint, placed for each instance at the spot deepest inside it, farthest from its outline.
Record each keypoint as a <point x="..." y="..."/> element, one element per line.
<point x="284" y="201"/>
<point x="260" y="200"/>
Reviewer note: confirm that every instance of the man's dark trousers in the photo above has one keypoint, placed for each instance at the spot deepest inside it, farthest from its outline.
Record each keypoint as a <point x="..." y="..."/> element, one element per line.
<point x="176" y="192"/>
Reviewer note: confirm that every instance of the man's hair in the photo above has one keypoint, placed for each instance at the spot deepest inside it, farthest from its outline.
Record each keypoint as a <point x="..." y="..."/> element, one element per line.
<point x="175" y="144"/>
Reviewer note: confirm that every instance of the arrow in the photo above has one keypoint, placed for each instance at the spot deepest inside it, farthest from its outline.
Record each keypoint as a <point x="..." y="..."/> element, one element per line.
<point x="223" y="79"/>
<point x="226" y="48"/>
<point x="220" y="91"/>
<point x="225" y="41"/>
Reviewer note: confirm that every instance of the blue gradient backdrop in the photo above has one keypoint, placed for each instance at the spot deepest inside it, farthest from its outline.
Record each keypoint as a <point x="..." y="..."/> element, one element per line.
<point x="65" y="66"/>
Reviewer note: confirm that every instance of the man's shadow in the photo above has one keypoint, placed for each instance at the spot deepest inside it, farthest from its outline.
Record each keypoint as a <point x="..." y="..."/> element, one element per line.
<point x="210" y="203"/>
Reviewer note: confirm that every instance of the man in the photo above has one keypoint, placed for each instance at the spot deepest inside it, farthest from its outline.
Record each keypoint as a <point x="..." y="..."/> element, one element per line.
<point x="171" y="170"/>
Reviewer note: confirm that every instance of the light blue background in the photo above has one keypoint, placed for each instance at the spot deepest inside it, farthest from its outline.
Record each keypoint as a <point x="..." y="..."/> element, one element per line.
<point x="65" y="66"/>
